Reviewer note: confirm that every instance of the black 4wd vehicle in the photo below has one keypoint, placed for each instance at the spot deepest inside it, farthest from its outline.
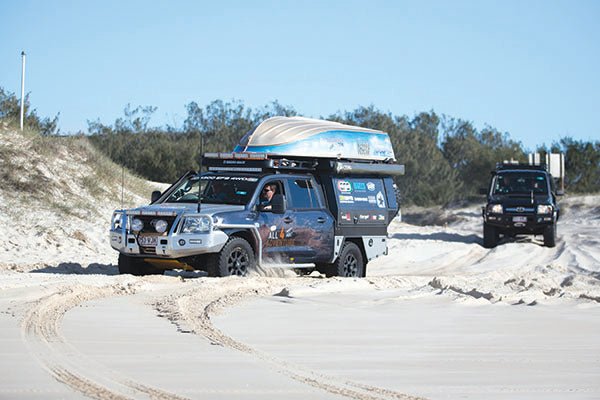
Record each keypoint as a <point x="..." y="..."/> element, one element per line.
<point x="321" y="197"/>
<point x="521" y="199"/>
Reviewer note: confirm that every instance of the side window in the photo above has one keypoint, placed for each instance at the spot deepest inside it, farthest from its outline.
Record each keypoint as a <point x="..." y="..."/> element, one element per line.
<point x="303" y="194"/>
<point x="267" y="192"/>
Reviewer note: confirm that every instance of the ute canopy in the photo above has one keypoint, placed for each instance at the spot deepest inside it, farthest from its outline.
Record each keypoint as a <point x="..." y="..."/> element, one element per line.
<point x="302" y="137"/>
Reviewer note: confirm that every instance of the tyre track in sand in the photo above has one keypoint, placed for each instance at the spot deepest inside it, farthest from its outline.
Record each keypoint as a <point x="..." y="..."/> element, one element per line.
<point x="40" y="330"/>
<point x="195" y="308"/>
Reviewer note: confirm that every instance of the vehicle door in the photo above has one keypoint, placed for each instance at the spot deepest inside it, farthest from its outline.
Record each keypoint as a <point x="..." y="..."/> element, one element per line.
<point x="307" y="221"/>
<point x="304" y="232"/>
<point x="276" y="243"/>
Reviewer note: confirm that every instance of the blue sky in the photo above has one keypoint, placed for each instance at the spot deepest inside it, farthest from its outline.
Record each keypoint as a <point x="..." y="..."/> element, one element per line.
<point x="529" y="68"/>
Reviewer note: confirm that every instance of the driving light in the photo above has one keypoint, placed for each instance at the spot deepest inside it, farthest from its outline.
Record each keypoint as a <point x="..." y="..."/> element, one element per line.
<point x="199" y="224"/>
<point x="544" y="209"/>
<point x="495" y="209"/>
<point x="137" y="225"/>
<point x="160" y="225"/>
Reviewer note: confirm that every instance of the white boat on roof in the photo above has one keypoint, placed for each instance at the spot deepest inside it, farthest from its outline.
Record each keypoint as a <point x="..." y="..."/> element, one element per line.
<point x="306" y="137"/>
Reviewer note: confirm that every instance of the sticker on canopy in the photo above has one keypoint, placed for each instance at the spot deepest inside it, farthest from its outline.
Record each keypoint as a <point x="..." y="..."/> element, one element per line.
<point x="380" y="200"/>
<point x="360" y="186"/>
<point x="344" y="186"/>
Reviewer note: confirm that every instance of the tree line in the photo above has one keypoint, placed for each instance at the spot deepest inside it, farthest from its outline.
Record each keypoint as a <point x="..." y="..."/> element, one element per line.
<point x="10" y="112"/>
<point x="446" y="158"/>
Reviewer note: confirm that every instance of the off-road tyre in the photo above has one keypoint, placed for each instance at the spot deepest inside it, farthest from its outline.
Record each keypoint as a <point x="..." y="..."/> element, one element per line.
<point x="490" y="236"/>
<point x="550" y="235"/>
<point x="350" y="263"/>
<point x="125" y="264"/>
<point x="236" y="258"/>
<point x="136" y="266"/>
<point x="325" y="269"/>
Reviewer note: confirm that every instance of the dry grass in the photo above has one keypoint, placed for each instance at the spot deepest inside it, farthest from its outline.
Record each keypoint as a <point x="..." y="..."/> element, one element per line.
<point x="66" y="174"/>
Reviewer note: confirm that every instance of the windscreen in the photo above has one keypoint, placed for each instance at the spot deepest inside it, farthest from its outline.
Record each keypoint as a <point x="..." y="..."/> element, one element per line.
<point x="520" y="183"/>
<point x="215" y="189"/>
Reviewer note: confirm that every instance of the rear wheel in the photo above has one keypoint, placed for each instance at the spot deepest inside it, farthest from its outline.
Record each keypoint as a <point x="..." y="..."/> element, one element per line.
<point x="490" y="236"/>
<point x="350" y="263"/>
<point x="236" y="258"/>
<point x="550" y="235"/>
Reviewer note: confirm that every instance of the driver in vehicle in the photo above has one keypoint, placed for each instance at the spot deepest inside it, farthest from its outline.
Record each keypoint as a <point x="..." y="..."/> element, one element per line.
<point x="266" y="195"/>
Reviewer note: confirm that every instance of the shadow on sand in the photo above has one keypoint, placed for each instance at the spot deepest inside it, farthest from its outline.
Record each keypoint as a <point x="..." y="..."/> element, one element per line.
<point x="69" y="268"/>
<point x="468" y="239"/>
<point x="106" y="269"/>
<point x="443" y="236"/>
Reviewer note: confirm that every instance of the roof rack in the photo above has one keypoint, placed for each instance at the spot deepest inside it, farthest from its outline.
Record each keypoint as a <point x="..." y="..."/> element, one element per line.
<point x="264" y="162"/>
<point x="520" y="165"/>
<point x="554" y="164"/>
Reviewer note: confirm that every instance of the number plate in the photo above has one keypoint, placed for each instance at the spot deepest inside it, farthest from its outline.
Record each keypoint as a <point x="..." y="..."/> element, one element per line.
<point x="148" y="240"/>
<point x="519" y="219"/>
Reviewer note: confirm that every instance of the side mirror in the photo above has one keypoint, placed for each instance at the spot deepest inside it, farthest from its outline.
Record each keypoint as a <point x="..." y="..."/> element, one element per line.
<point x="483" y="191"/>
<point x="155" y="196"/>
<point x="278" y="204"/>
<point x="560" y="192"/>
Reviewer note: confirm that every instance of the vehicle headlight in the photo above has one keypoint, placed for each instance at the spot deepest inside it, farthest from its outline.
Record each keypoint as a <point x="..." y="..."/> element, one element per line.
<point x="544" y="209"/>
<point x="495" y="209"/>
<point x="137" y="225"/>
<point x="117" y="220"/>
<point x="199" y="224"/>
<point x="160" y="225"/>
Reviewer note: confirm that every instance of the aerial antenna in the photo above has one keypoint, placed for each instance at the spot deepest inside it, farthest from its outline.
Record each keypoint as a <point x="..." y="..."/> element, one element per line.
<point x="200" y="172"/>
<point x="22" y="88"/>
<point x="122" y="184"/>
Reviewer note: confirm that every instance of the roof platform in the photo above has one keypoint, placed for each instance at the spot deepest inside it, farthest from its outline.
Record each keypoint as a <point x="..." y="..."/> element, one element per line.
<point x="264" y="163"/>
<point x="503" y="166"/>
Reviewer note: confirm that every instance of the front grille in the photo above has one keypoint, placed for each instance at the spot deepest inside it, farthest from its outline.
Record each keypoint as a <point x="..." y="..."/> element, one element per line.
<point x="520" y="209"/>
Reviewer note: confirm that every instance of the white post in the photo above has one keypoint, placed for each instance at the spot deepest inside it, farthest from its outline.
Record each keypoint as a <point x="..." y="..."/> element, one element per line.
<point x="22" y="88"/>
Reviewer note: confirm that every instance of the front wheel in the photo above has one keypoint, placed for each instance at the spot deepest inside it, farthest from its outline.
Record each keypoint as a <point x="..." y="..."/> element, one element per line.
<point x="350" y="263"/>
<point x="490" y="236"/>
<point x="236" y="258"/>
<point x="136" y="266"/>
<point x="550" y="235"/>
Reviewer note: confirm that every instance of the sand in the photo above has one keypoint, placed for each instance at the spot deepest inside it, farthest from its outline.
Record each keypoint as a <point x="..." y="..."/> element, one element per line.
<point x="439" y="318"/>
